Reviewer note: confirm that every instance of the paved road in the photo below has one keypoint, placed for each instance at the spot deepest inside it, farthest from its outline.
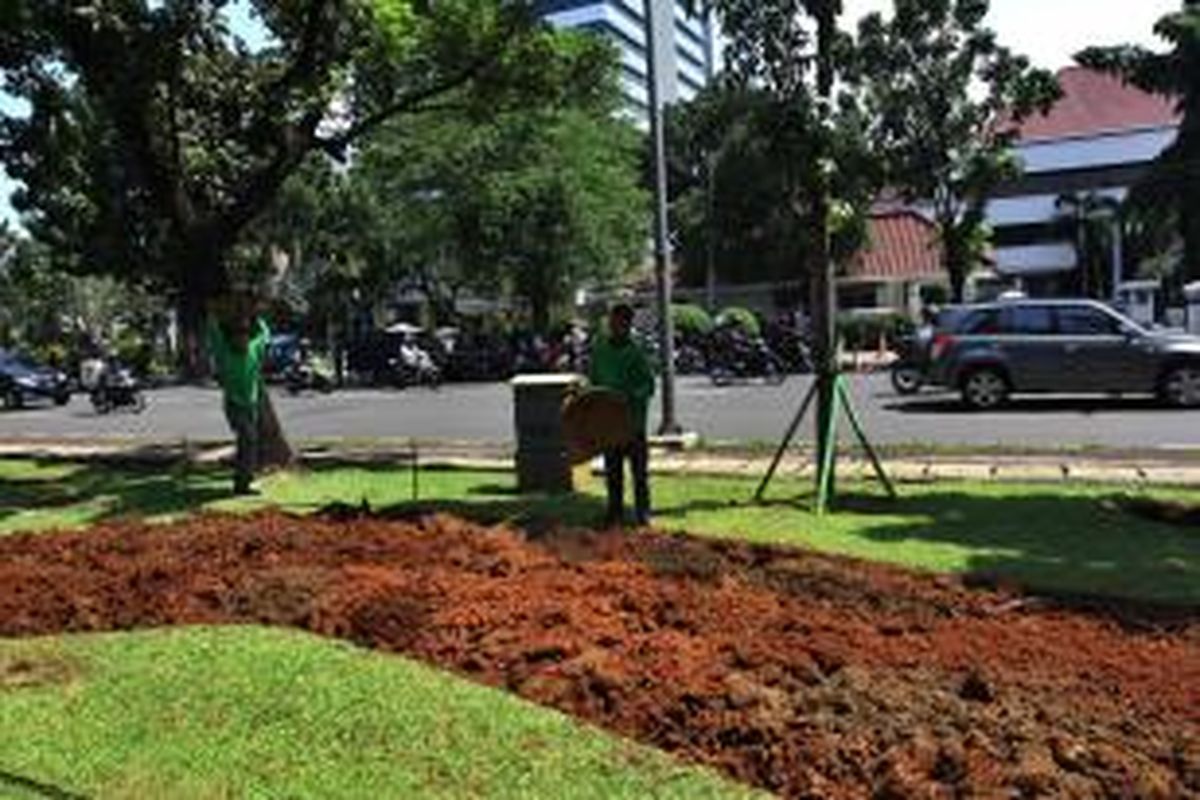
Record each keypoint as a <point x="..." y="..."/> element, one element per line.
<point x="747" y="413"/>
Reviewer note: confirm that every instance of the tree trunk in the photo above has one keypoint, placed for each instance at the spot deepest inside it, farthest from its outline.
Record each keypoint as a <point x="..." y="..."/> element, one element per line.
<point x="274" y="451"/>
<point x="193" y="361"/>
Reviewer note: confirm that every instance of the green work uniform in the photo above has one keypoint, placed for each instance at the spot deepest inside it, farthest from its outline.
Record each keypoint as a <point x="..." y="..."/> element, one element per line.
<point x="240" y="376"/>
<point x="240" y="373"/>
<point x="624" y="367"/>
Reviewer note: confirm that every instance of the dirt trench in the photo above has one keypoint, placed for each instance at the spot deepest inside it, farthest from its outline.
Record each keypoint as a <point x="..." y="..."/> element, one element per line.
<point x="808" y="675"/>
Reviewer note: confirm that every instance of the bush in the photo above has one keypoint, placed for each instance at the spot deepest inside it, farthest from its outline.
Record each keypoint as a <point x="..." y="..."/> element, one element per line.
<point x="742" y="317"/>
<point x="863" y="331"/>
<point x="691" y="320"/>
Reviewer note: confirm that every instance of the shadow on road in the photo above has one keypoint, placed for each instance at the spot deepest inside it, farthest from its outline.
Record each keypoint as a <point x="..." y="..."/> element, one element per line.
<point x="1024" y="405"/>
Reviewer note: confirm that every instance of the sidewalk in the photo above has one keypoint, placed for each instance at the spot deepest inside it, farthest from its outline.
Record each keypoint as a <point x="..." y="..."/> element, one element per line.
<point x="1154" y="467"/>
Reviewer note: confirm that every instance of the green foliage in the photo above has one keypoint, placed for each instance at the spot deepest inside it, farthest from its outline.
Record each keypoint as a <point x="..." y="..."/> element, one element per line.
<point x="156" y="139"/>
<point x="53" y="315"/>
<point x="947" y="97"/>
<point x="1171" y="189"/>
<point x="691" y="320"/>
<point x="1089" y="218"/>
<point x="778" y="161"/>
<point x="744" y="318"/>
<point x="738" y="188"/>
<point x="527" y="204"/>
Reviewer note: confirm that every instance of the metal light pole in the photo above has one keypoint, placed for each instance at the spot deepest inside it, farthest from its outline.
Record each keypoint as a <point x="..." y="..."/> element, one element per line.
<point x="662" y="243"/>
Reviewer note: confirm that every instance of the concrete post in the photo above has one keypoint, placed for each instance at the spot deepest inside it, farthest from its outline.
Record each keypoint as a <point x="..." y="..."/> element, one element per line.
<point x="543" y="464"/>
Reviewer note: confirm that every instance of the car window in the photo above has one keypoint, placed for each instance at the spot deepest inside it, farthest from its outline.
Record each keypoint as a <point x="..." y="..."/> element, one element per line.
<point x="1031" y="320"/>
<point x="984" y="321"/>
<point x="1085" y="321"/>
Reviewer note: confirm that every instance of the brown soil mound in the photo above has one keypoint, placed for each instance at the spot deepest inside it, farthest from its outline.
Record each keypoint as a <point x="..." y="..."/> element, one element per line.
<point x="808" y="675"/>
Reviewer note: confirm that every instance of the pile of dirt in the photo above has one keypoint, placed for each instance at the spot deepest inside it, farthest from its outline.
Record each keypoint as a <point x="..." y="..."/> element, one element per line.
<point x="805" y="674"/>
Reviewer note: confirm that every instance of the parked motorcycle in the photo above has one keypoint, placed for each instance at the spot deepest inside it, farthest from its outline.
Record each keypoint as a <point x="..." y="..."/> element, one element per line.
<point x="117" y="389"/>
<point x="738" y="356"/>
<point x="312" y="373"/>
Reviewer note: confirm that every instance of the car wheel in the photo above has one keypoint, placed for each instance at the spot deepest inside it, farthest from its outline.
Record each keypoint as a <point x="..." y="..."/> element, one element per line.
<point x="62" y="399"/>
<point x="907" y="379"/>
<point x="984" y="389"/>
<point x="1181" y="386"/>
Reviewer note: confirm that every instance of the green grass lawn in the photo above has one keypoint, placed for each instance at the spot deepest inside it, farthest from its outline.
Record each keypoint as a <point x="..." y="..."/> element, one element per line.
<point x="248" y="712"/>
<point x="210" y="713"/>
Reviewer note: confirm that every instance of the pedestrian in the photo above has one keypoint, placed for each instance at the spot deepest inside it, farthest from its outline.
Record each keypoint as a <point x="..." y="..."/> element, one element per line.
<point x="237" y="342"/>
<point x="619" y="364"/>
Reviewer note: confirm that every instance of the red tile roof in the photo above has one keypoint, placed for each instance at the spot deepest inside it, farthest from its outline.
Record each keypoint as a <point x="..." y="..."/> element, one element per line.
<point x="1094" y="103"/>
<point x="903" y="246"/>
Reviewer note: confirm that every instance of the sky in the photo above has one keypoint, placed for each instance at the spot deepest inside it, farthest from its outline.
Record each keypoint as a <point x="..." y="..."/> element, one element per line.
<point x="1051" y="31"/>
<point x="1048" y="31"/>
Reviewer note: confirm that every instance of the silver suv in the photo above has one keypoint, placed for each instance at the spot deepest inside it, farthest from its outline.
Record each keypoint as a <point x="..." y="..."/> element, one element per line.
<point x="990" y="352"/>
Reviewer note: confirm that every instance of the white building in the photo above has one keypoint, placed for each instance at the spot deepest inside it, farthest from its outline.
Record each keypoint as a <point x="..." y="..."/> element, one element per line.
<point x="1099" y="137"/>
<point x="685" y="64"/>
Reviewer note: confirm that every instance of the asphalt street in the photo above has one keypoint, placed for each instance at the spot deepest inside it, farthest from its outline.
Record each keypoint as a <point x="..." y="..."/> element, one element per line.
<point x="748" y="413"/>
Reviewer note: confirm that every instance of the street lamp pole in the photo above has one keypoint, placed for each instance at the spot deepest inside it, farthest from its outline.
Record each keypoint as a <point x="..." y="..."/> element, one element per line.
<point x="662" y="243"/>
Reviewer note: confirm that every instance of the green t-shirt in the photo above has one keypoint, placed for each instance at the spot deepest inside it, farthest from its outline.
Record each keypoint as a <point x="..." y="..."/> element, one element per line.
<point x="624" y="367"/>
<point x="240" y="374"/>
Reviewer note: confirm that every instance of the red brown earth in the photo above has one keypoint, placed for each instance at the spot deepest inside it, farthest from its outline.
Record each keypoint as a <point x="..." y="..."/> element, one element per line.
<point x="808" y="675"/>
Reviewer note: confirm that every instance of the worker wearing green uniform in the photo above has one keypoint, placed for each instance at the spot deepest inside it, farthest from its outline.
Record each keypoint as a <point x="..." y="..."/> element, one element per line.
<point x="238" y="348"/>
<point x="619" y="364"/>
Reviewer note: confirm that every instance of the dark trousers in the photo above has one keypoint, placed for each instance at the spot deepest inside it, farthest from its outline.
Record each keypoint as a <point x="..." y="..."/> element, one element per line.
<point x="244" y="423"/>
<point x="637" y="453"/>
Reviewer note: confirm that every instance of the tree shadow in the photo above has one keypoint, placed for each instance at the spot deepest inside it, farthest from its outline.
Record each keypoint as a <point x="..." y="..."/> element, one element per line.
<point x="147" y="490"/>
<point x="943" y="404"/>
<point x="1074" y="545"/>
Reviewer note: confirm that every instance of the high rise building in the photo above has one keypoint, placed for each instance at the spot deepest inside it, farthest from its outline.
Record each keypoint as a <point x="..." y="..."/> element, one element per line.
<point x="686" y="57"/>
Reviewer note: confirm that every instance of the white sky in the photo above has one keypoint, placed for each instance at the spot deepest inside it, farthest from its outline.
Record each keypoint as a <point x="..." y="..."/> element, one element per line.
<point x="1048" y="31"/>
<point x="1051" y="31"/>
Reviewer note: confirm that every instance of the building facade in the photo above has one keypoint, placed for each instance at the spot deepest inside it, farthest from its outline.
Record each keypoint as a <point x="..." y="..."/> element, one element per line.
<point x="1098" y="139"/>
<point x="685" y="61"/>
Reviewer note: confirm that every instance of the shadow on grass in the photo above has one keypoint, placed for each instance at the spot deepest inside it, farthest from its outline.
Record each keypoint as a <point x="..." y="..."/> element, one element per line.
<point x="1072" y="543"/>
<point x="149" y="491"/>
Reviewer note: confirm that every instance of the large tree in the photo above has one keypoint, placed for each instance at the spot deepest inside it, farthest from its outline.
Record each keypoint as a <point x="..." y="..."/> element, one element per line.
<point x="948" y="99"/>
<point x="732" y="205"/>
<point x="528" y="204"/>
<point x="1173" y="184"/>
<point x="156" y="136"/>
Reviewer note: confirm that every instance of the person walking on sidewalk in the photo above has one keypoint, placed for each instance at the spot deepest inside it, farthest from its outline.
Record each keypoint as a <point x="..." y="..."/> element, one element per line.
<point x="237" y="342"/>
<point x="619" y="364"/>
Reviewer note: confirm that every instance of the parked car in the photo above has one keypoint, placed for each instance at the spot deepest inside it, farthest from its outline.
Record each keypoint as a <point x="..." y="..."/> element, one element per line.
<point x="23" y="380"/>
<point x="992" y="351"/>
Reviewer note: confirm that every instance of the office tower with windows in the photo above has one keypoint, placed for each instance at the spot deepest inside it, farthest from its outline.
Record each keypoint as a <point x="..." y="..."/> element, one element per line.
<point x="686" y="54"/>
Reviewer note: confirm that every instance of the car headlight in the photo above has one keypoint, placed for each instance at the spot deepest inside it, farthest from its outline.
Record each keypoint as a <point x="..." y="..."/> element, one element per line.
<point x="27" y="381"/>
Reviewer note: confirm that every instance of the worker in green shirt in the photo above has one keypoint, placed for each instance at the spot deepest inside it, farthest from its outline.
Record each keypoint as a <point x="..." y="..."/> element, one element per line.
<point x="237" y="342"/>
<point x="620" y="365"/>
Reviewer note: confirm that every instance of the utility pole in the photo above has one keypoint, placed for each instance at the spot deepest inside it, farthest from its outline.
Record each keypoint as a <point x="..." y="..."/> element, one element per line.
<point x="662" y="240"/>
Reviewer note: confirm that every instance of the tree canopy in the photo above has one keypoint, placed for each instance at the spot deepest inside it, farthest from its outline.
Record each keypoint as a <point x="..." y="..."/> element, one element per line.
<point x="1173" y="185"/>
<point x="735" y="205"/>
<point x="947" y="97"/>
<point x="156" y="137"/>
